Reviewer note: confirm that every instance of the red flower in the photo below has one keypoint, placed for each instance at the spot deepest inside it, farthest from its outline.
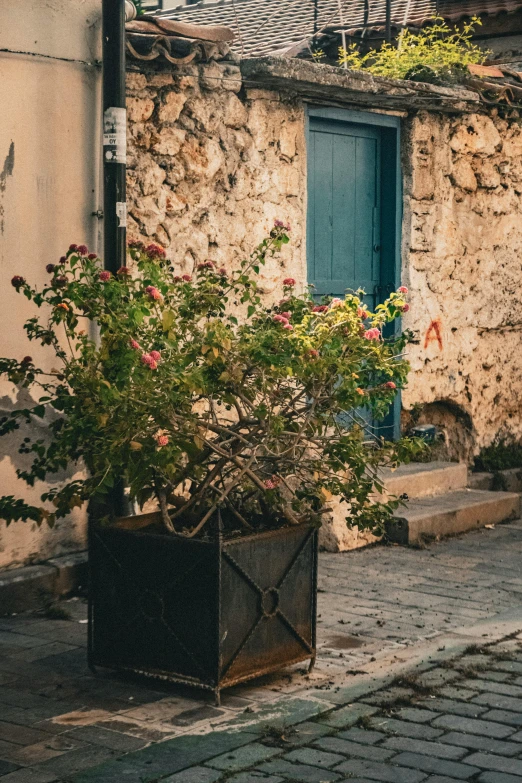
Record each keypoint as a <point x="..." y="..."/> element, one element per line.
<point x="362" y="313"/>
<point x="289" y="281"/>
<point x="92" y="256"/>
<point x="161" y="440"/>
<point x="104" y="276"/>
<point x="63" y="259"/>
<point x="17" y="281"/>
<point x="390" y="385"/>
<point x="320" y="309"/>
<point x="148" y="360"/>
<point x="60" y="282"/>
<point x="405" y="308"/>
<point x="372" y="334"/>
<point x="83" y="250"/>
<point x="27" y="360"/>
<point x="206" y="265"/>
<point x="313" y="354"/>
<point x="153" y="292"/>
<point x="222" y="272"/>
<point x="135" y="345"/>
<point x="123" y="270"/>
<point x="402" y="289"/>
<point x="155" y="251"/>
<point x="186" y="278"/>
<point x="50" y="268"/>
<point x="73" y="248"/>
<point x="155" y="355"/>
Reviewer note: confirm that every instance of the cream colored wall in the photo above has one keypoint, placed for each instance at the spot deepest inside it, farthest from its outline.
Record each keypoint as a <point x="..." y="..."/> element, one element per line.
<point x="49" y="180"/>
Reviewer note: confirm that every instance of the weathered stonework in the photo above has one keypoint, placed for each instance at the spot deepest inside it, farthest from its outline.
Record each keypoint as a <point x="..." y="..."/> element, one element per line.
<point x="462" y="260"/>
<point x="209" y="172"/>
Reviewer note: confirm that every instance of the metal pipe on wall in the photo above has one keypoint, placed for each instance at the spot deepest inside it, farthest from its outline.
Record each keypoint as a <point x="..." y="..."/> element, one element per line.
<point x="114" y="135"/>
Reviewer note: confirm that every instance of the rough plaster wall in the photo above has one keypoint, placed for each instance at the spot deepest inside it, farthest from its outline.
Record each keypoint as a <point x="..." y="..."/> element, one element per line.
<point x="463" y="261"/>
<point x="210" y="170"/>
<point x="48" y="180"/>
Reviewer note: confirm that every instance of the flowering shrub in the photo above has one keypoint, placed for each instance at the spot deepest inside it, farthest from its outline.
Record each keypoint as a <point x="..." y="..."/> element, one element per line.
<point x="198" y="409"/>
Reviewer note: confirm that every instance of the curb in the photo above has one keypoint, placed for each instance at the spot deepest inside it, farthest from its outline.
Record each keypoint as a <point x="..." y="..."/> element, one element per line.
<point x="35" y="586"/>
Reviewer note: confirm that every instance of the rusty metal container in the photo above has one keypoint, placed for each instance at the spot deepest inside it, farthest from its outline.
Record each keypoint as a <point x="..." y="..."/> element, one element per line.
<point x="205" y="613"/>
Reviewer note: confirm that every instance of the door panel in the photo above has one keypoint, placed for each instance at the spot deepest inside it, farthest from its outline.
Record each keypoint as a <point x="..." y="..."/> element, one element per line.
<point x="344" y="208"/>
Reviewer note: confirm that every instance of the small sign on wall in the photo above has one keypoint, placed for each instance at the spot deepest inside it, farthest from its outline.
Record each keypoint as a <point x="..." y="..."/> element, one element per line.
<point x="115" y="135"/>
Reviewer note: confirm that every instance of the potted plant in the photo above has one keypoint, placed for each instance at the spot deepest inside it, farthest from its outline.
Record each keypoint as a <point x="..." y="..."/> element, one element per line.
<point x="194" y="393"/>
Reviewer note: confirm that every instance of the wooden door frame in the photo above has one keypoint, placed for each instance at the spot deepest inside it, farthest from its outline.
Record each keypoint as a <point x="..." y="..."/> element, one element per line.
<point x="391" y="203"/>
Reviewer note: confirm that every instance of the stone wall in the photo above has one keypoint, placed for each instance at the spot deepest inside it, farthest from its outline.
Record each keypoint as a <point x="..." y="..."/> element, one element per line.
<point x="209" y="172"/>
<point x="462" y="258"/>
<point x="213" y="162"/>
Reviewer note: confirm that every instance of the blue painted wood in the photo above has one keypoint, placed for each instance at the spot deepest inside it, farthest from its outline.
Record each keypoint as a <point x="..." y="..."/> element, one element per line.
<point x="354" y="210"/>
<point x="344" y="197"/>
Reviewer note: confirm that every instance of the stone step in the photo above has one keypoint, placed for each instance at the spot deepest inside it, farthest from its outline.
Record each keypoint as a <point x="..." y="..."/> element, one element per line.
<point x="419" y="479"/>
<point x="425" y="519"/>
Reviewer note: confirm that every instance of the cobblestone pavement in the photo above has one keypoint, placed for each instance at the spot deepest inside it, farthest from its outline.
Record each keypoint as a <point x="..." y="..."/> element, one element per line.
<point x="412" y="685"/>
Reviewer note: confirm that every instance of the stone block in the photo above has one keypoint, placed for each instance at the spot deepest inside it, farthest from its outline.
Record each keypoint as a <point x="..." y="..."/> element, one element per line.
<point x="139" y="109"/>
<point x="172" y="106"/>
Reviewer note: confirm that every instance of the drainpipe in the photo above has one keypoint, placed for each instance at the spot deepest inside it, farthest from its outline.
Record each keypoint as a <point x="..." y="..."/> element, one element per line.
<point x="114" y="14"/>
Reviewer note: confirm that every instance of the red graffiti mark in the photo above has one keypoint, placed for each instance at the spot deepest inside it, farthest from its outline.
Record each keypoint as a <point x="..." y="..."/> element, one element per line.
<point x="434" y="334"/>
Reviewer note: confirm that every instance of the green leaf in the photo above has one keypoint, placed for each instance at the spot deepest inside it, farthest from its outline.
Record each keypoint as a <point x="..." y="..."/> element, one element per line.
<point x="251" y="310"/>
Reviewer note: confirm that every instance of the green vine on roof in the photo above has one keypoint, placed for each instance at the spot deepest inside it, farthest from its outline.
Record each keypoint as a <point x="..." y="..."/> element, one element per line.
<point x="435" y="53"/>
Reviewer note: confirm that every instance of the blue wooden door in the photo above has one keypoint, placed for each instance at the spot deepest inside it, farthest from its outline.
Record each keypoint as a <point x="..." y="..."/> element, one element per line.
<point x="344" y="208"/>
<point x="352" y="221"/>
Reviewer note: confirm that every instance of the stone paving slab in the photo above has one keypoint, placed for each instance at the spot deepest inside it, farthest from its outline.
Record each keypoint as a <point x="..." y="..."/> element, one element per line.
<point x="383" y="611"/>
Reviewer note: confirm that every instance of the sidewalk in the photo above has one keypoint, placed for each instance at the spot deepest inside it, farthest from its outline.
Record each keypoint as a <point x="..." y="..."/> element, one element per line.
<point x="382" y="612"/>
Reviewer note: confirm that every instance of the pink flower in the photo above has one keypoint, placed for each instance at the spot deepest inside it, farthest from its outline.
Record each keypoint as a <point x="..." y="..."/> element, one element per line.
<point x="361" y="313"/>
<point x="92" y="256"/>
<point x="155" y="355"/>
<point x="336" y="302"/>
<point x="280" y="319"/>
<point x="280" y="224"/>
<point x="17" y="281"/>
<point x="155" y="251"/>
<point x="223" y="272"/>
<point x="206" y="265"/>
<point x="390" y="385"/>
<point x="153" y="292"/>
<point x="135" y="345"/>
<point x="83" y="250"/>
<point x="402" y="289"/>
<point x="123" y="270"/>
<point x="313" y="354"/>
<point x="269" y="484"/>
<point x="161" y="440"/>
<point x="149" y="361"/>
<point x="289" y="327"/>
<point x="405" y="308"/>
<point x="186" y="278"/>
<point x="104" y="276"/>
<point x="372" y="334"/>
<point x="289" y="281"/>
<point x="320" y="309"/>
<point x="287" y="315"/>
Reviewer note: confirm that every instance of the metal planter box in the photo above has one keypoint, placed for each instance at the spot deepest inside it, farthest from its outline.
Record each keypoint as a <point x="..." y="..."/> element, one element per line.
<point x="205" y="613"/>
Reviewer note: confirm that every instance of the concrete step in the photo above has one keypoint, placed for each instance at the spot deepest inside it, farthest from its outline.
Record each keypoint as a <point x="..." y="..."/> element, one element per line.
<point x="425" y="519"/>
<point x="419" y="479"/>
